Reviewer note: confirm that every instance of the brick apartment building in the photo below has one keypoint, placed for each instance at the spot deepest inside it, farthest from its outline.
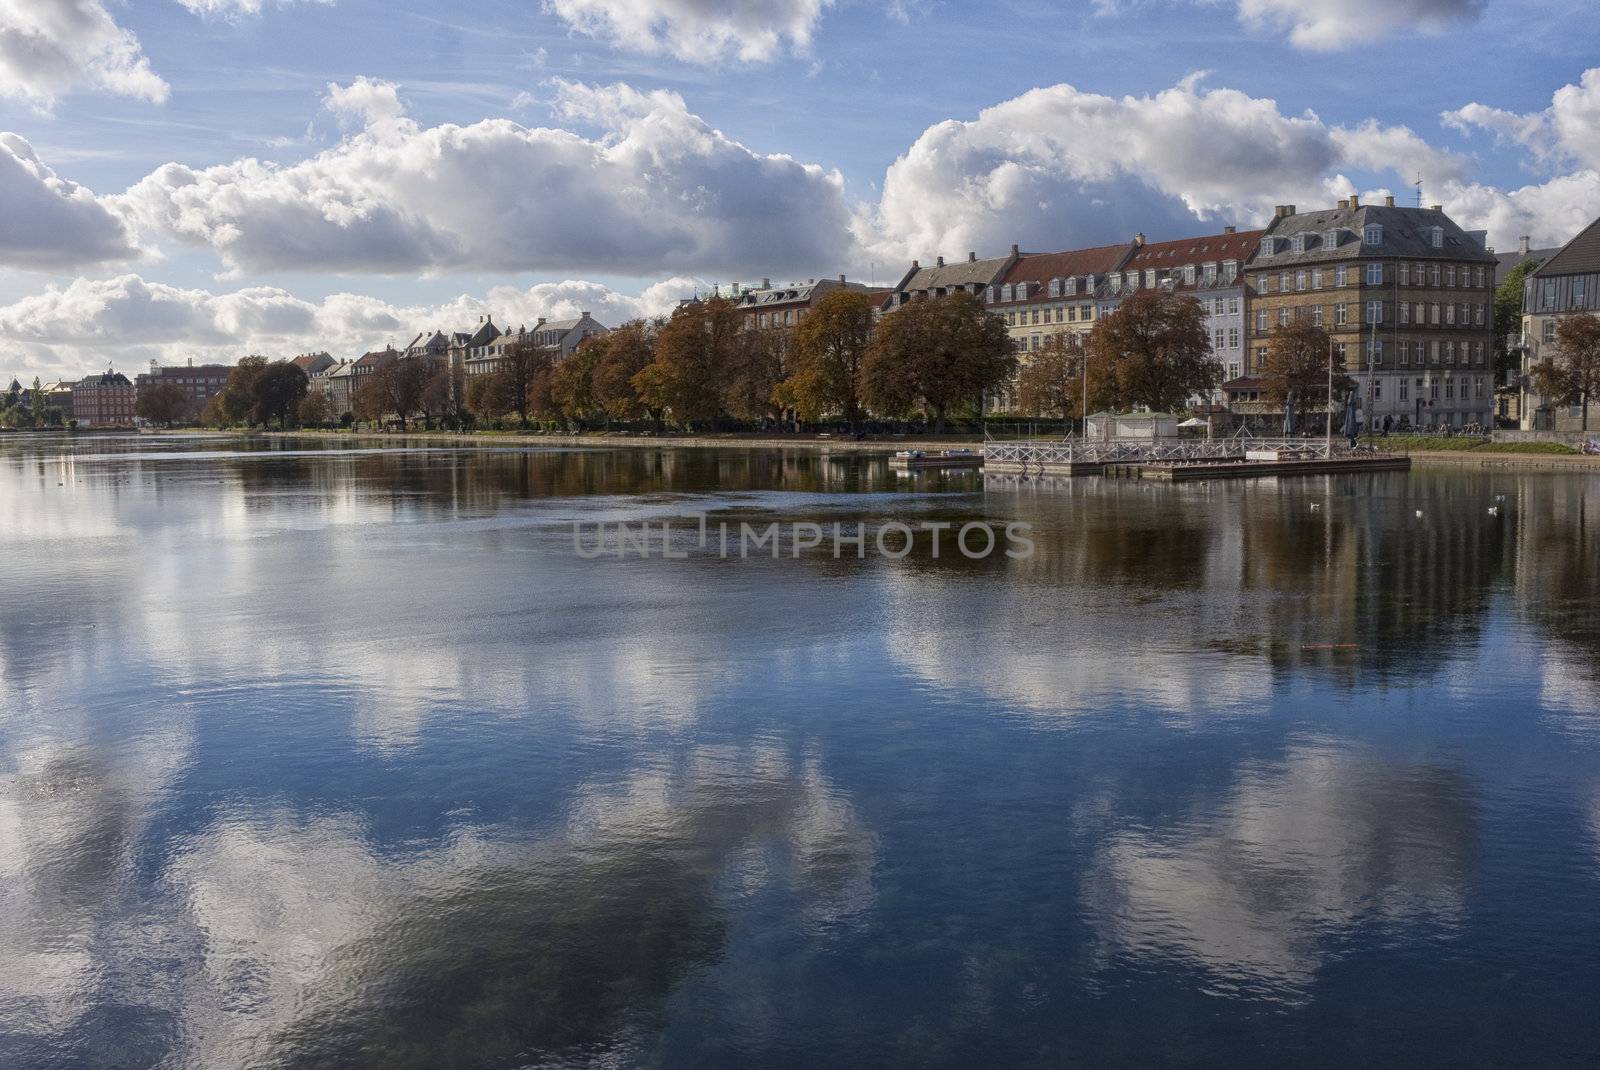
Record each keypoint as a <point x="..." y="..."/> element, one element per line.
<point x="1405" y="295"/>
<point x="104" y="400"/>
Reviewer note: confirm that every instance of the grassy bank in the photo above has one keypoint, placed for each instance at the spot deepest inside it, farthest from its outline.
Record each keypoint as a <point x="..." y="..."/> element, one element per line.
<point x="1439" y="444"/>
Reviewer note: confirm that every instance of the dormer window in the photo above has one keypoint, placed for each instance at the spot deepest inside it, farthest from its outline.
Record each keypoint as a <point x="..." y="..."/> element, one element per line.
<point x="1331" y="239"/>
<point x="1188" y="274"/>
<point x="1268" y="246"/>
<point x="1298" y="243"/>
<point x="1150" y="276"/>
<point x="1436" y="236"/>
<point x="1072" y="286"/>
<point x="1006" y="291"/>
<point x="994" y="294"/>
<point x="1055" y="287"/>
<point x="1372" y="235"/>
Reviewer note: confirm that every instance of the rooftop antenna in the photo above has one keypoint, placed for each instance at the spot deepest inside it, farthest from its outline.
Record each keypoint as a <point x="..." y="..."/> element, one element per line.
<point x="1418" y="184"/>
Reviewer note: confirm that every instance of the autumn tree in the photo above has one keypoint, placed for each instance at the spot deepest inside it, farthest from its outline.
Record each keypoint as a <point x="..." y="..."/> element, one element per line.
<point x="1051" y="382"/>
<point x="935" y="354"/>
<point x="315" y="410"/>
<point x="163" y="403"/>
<point x="1156" y="351"/>
<point x="1297" y="362"/>
<point x="1570" y="375"/>
<point x="830" y="347"/>
<point x="694" y="354"/>
<point x="1508" y="315"/>
<point x="402" y="381"/>
<point x="369" y="401"/>
<point x="445" y="394"/>
<point x="754" y="371"/>
<point x="572" y="383"/>
<point x="524" y="385"/>
<point x="623" y="354"/>
<point x="236" y="404"/>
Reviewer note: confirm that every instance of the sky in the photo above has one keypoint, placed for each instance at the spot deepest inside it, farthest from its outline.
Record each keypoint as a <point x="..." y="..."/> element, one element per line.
<point x="202" y="179"/>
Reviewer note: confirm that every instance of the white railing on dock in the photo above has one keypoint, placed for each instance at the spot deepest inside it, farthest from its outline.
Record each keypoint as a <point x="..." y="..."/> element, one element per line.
<point x="1076" y="451"/>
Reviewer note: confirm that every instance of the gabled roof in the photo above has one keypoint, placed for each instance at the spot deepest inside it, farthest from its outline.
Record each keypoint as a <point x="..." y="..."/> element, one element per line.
<point x="311" y="363"/>
<point x="367" y="360"/>
<point x="1040" y="268"/>
<point x="1580" y="256"/>
<point x="1508" y="261"/>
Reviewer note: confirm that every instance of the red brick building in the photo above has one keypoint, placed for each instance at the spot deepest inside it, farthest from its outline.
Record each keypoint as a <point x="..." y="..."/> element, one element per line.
<point x="104" y="400"/>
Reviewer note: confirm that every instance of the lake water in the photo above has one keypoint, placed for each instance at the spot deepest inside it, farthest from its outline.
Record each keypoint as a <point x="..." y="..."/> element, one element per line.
<point x="343" y="757"/>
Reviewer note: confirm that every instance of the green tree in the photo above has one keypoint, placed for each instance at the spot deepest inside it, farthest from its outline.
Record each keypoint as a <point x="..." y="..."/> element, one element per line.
<point x="1157" y="351"/>
<point x="936" y="354"/>
<point x="488" y="396"/>
<point x="237" y="402"/>
<point x="277" y="392"/>
<point x="830" y="347"/>
<point x="1508" y="316"/>
<point x="315" y="410"/>
<point x="1570" y="375"/>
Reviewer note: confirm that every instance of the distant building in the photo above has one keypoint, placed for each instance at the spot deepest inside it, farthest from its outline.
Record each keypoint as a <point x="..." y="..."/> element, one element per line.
<point x="1405" y="295"/>
<point x="312" y="363"/>
<point x="1566" y="284"/>
<point x="104" y="400"/>
<point x="201" y="382"/>
<point x="768" y="306"/>
<point x="971" y="275"/>
<point x="335" y="385"/>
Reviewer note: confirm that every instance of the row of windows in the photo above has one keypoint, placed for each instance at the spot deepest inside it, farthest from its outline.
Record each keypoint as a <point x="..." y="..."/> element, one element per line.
<point x="1418" y="314"/>
<point x="1440" y="275"/>
<point x="1371" y="236"/>
<point x="1034" y="317"/>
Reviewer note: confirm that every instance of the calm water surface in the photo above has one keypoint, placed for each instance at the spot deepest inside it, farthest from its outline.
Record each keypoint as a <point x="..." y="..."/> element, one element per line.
<point x="341" y="757"/>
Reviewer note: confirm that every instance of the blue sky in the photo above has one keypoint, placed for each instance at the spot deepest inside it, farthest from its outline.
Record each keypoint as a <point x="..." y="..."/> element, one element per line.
<point x="1284" y="99"/>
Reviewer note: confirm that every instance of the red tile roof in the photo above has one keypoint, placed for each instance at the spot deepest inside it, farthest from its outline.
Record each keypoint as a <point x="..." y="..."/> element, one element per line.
<point x="1040" y="268"/>
<point x="1214" y="248"/>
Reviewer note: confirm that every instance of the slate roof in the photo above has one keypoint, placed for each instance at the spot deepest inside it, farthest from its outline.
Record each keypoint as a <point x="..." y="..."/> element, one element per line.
<point x="1580" y="256"/>
<point x="963" y="273"/>
<point x="1403" y="235"/>
<point x="1509" y="261"/>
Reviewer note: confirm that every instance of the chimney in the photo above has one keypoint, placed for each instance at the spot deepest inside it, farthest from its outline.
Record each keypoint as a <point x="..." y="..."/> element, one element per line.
<point x="1344" y="202"/>
<point x="1284" y="211"/>
<point x="1388" y="202"/>
<point x="540" y="323"/>
<point x="1138" y="239"/>
<point x="941" y="261"/>
<point x="841" y="279"/>
<point x="584" y="316"/>
<point x="972" y="258"/>
<point x="1229" y="230"/>
<point x="1355" y="200"/>
<point x="1523" y="244"/>
<point x="766" y="284"/>
<point x="916" y="265"/>
<point x="1015" y="251"/>
<point x="1436" y="208"/>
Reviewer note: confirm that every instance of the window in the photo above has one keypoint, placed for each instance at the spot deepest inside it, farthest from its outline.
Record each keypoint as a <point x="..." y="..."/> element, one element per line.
<point x="1339" y="315"/>
<point x="1433" y="275"/>
<point x="1433" y="314"/>
<point x="1477" y="315"/>
<point x="1261" y="284"/>
<point x="1338" y="353"/>
<point x="1375" y="351"/>
<point x="1339" y="275"/>
<point x="1283" y="317"/>
<point x="1377" y="389"/>
<point x="1266" y="246"/>
<point x="1300" y="278"/>
<point x="1149" y="277"/>
<point x="1011" y="319"/>
<point x="1298" y="244"/>
<point x="1230" y="270"/>
<point x="1034" y="318"/>
<point x="1316" y="315"/>
<point x="1331" y="239"/>
<point x="1188" y="275"/>
<point x="1449" y="352"/>
<point x="1404" y="308"/>
<point x="1035" y="341"/>
<point x="1405" y="390"/>
<point x="1477" y="353"/>
<point x="1405" y="354"/>
<point x="1579" y="291"/>
<point x="1433" y="390"/>
<point x="1006" y="291"/>
<point x="1072" y="286"/>
<point x="1449" y="315"/>
<point x="1404" y="270"/>
<point x="1480" y="278"/>
<point x="1437" y="237"/>
<point x="1234" y="370"/>
<point x="1316" y="278"/>
<point x="1374" y="274"/>
<point x="1055" y="287"/>
<point x="1219" y="338"/>
<point x="1449" y="274"/>
<point x="1261" y="321"/>
<point x="1478" y="387"/>
<point x="1372" y="235"/>
<point x="1233" y="338"/>
<point x="1283" y="282"/>
<point x="1449" y="388"/>
<point x="1233" y="306"/>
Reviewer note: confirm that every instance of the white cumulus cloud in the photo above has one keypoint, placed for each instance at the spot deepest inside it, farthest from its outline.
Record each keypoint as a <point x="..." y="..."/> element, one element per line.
<point x="235" y="8"/>
<point x="129" y="320"/>
<point x="51" y="223"/>
<point x="697" y="31"/>
<point x="1059" y="167"/>
<point x="1329" y="25"/>
<point x="657" y="187"/>
<point x="51" y="47"/>
<point x="1568" y="131"/>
